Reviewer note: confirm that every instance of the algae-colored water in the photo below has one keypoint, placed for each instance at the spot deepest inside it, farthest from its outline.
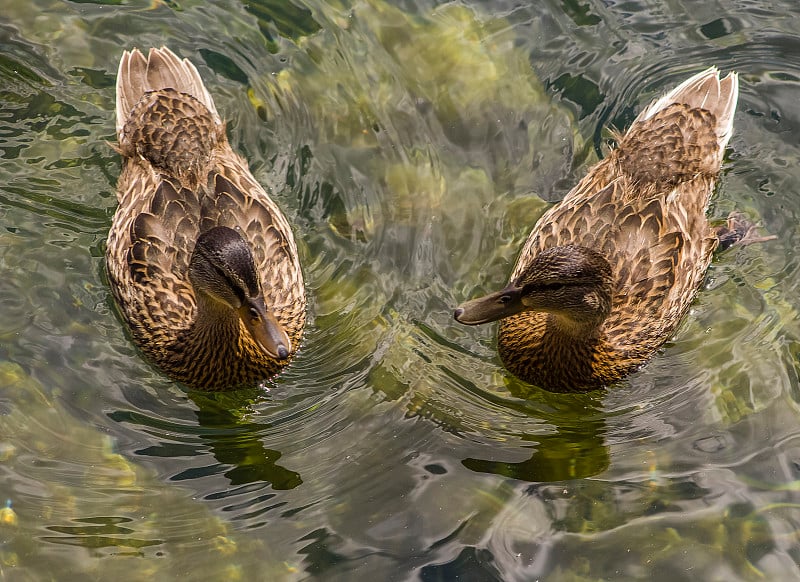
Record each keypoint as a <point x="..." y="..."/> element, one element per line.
<point x="412" y="145"/>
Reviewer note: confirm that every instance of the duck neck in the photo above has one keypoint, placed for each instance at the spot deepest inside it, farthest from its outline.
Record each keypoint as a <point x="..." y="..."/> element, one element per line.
<point x="215" y="324"/>
<point x="551" y="351"/>
<point x="564" y="328"/>
<point x="213" y="336"/>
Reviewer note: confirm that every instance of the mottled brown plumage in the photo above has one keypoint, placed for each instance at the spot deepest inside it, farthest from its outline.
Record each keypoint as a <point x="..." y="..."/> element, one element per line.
<point x="216" y="314"/>
<point x="606" y="275"/>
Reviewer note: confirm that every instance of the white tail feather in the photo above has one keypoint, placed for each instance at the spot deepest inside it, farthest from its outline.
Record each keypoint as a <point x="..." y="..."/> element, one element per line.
<point x="707" y="91"/>
<point x="161" y="69"/>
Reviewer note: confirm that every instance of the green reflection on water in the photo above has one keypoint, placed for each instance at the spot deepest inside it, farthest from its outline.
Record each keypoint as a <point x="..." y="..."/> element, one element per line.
<point x="413" y="146"/>
<point x="101" y="502"/>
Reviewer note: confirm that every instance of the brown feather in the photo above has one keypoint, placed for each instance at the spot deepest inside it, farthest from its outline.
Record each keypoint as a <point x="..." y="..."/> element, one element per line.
<point x="180" y="178"/>
<point x="643" y="208"/>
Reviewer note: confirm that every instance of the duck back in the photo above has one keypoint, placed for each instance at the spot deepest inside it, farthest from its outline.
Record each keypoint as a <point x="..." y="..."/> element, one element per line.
<point x="644" y="209"/>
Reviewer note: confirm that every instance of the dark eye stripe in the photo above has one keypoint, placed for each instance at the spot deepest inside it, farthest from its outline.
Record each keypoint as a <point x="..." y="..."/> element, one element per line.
<point x="232" y="283"/>
<point x="252" y="284"/>
<point x="551" y="286"/>
<point x="241" y="278"/>
<point x="539" y="287"/>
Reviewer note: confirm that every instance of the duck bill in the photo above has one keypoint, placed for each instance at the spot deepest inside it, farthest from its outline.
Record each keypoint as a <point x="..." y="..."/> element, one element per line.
<point x="491" y="307"/>
<point x="265" y="329"/>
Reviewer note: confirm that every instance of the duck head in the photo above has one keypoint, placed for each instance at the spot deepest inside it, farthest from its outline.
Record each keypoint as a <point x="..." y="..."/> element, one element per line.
<point x="222" y="269"/>
<point x="572" y="282"/>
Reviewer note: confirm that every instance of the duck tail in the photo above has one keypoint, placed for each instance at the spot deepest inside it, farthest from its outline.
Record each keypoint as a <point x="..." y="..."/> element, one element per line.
<point x="705" y="90"/>
<point x="160" y="69"/>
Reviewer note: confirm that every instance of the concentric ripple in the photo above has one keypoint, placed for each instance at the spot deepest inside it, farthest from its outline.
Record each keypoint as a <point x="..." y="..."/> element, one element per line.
<point x="412" y="146"/>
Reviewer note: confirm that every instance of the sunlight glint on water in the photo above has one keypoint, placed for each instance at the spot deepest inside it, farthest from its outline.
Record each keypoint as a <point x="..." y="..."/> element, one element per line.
<point x="412" y="147"/>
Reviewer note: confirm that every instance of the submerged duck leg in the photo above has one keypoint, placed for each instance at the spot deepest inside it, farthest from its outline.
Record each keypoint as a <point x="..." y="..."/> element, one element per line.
<point x="739" y="230"/>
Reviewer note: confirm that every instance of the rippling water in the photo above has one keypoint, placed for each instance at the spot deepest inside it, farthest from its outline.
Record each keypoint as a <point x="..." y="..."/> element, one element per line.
<point x="412" y="146"/>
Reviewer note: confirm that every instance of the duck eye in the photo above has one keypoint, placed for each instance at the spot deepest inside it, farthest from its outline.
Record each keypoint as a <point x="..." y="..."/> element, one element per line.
<point x="254" y="313"/>
<point x="505" y="299"/>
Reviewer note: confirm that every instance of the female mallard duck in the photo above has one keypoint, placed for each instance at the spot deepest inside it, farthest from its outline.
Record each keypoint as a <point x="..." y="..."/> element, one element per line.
<point x="606" y="275"/>
<point x="202" y="263"/>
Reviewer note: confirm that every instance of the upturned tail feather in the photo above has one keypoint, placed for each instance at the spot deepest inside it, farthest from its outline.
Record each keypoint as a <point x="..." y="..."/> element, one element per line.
<point x="704" y="90"/>
<point x="160" y="69"/>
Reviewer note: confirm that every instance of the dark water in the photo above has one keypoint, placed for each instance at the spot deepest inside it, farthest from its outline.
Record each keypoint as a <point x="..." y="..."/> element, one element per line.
<point x="412" y="146"/>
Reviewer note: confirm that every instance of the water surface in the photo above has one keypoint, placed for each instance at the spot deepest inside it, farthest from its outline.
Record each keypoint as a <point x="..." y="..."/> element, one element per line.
<point x="412" y="145"/>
